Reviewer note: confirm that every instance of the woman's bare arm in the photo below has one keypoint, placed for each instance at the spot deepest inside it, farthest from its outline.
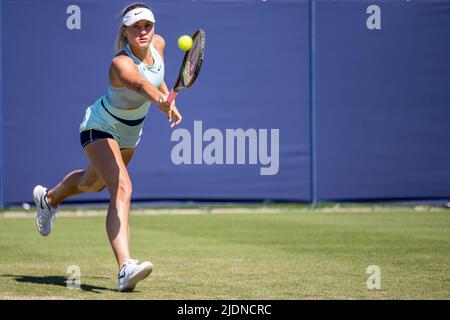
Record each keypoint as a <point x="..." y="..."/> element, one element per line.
<point x="124" y="70"/>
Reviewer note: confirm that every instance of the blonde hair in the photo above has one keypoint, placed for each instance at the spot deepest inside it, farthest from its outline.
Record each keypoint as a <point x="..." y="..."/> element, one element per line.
<point x="121" y="40"/>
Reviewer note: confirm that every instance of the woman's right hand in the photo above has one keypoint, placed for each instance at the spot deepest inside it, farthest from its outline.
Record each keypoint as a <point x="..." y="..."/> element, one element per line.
<point x="163" y="105"/>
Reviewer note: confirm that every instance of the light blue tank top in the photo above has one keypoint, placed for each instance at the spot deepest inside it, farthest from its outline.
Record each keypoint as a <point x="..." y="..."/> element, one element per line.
<point x="124" y="98"/>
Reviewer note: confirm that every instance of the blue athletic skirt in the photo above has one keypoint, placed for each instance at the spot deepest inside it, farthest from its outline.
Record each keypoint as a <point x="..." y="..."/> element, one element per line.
<point x="104" y="121"/>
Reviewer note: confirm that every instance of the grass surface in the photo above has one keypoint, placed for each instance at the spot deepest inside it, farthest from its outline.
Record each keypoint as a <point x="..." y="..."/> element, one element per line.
<point x="293" y="254"/>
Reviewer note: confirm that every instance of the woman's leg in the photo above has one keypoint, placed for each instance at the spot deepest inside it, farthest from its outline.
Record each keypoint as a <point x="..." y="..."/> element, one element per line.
<point x="80" y="181"/>
<point x="107" y="160"/>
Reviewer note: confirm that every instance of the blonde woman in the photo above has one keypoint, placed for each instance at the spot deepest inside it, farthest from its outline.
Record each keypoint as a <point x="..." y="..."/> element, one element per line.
<point x="111" y="130"/>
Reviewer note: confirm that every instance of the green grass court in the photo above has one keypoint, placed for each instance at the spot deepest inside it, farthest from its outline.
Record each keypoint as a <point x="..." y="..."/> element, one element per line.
<point x="249" y="253"/>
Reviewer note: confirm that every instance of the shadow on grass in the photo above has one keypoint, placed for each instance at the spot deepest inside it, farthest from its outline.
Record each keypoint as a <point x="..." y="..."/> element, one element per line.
<point x="56" y="281"/>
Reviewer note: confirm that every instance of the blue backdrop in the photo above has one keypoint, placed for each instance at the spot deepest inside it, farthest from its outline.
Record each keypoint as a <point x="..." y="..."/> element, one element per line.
<point x="383" y="101"/>
<point x="349" y="112"/>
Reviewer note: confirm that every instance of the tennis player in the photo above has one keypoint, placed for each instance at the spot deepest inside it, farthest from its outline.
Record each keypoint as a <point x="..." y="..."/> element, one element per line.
<point x="110" y="132"/>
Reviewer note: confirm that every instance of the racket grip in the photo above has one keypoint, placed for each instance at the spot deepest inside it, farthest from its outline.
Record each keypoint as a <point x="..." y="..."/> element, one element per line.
<point x="171" y="97"/>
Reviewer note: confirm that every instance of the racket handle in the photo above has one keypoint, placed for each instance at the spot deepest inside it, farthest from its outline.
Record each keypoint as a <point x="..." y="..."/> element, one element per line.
<point x="171" y="97"/>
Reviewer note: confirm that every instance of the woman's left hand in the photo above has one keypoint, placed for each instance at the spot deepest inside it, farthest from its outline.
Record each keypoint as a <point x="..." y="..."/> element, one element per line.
<point x="174" y="116"/>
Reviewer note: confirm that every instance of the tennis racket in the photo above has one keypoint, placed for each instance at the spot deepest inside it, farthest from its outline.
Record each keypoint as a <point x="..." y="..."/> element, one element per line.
<point x="190" y="68"/>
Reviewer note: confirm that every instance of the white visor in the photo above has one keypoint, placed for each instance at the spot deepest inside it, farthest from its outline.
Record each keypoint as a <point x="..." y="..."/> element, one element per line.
<point x="136" y="15"/>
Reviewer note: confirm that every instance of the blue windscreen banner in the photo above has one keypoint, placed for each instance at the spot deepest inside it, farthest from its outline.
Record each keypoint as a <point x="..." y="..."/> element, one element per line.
<point x="245" y="128"/>
<point x="383" y="100"/>
<point x="302" y="101"/>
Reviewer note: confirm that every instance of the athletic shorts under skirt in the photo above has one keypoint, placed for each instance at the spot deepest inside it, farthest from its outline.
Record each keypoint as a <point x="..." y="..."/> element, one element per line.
<point x="124" y="126"/>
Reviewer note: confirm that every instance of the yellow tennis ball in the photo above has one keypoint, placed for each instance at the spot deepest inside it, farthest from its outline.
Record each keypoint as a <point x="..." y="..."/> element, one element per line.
<point x="185" y="42"/>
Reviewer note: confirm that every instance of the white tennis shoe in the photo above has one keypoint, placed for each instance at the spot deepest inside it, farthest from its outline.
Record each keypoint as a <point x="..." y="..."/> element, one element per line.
<point x="45" y="214"/>
<point x="132" y="272"/>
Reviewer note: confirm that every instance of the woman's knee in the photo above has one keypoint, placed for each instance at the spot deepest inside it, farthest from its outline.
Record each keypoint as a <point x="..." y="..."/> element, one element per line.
<point x="123" y="188"/>
<point x="95" y="186"/>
